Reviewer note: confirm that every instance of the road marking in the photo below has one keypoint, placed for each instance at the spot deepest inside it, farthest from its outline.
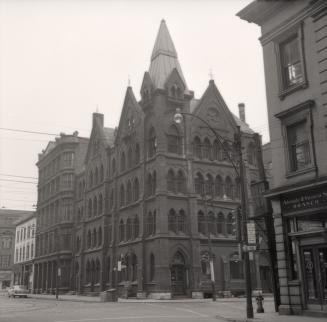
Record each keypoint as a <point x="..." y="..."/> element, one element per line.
<point x="183" y="309"/>
<point x="131" y="318"/>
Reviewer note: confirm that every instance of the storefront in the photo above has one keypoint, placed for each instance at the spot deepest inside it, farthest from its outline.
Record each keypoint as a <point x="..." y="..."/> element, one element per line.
<point x="302" y="248"/>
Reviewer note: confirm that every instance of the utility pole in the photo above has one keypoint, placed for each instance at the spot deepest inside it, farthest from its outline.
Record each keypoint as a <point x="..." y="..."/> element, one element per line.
<point x="211" y="257"/>
<point x="249" y="306"/>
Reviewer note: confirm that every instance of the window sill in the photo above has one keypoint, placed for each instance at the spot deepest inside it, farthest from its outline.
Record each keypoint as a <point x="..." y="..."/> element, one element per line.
<point x="300" y="172"/>
<point x="289" y="90"/>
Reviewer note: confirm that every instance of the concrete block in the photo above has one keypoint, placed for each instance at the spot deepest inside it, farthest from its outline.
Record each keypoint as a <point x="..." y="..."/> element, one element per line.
<point x="197" y="295"/>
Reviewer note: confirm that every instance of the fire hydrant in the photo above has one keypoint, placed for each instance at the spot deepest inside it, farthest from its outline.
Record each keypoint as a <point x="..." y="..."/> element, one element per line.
<point x="259" y="300"/>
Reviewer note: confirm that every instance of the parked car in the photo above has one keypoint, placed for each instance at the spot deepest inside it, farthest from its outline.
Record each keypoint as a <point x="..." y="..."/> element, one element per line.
<point x="17" y="290"/>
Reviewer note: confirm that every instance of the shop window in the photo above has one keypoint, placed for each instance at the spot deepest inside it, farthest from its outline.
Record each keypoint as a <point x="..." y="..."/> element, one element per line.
<point x="236" y="267"/>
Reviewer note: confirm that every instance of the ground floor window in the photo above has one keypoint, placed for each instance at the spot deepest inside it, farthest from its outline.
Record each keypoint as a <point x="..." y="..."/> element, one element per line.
<point x="236" y="267"/>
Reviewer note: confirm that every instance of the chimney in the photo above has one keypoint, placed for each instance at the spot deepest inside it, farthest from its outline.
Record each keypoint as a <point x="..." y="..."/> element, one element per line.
<point x="241" y="112"/>
<point x="98" y="118"/>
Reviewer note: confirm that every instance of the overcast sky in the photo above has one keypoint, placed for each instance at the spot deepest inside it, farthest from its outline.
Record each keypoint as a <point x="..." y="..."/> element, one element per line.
<point x="60" y="61"/>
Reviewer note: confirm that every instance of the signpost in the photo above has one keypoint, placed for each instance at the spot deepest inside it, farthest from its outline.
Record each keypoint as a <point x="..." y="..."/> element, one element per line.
<point x="251" y="232"/>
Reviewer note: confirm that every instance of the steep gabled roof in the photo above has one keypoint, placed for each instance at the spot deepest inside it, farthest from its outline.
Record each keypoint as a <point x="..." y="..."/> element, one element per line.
<point x="109" y="134"/>
<point x="164" y="58"/>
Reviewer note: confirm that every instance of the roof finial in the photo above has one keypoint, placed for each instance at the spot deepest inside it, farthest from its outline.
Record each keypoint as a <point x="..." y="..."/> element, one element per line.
<point x="211" y="75"/>
<point x="129" y="81"/>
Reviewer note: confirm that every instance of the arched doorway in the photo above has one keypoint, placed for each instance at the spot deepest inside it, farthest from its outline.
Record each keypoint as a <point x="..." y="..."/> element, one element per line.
<point x="178" y="275"/>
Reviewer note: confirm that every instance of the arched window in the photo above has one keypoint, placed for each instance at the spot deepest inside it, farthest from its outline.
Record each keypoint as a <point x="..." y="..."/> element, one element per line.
<point x="129" y="193"/>
<point x="137" y="154"/>
<point x="172" y="221"/>
<point x="228" y="188"/>
<point x="95" y="239"/>
<point x="251" y="154"/>
<point x="149" y="185"/>
<point x="207" y="149"/>
<point x="181" y="182"/>
<point x="89" y="241"/>
<point x="154" y="183"/>
<point x="108" y="269"/>
<point x="226" y="151"/>
<point x="122" y="195"/>
<point x="113" y="166"/>
<point x="89" y="209"/>
<point x="171" y="181"/>
<point x="122" y="162"/>
<point x="211" y="223"/>
<point x="230" y="224"/>
<point x="197" y="149"/>
<point x="100" y="236"/>
<point x="88" y="272"/>
<point x="237" y="188"/>
<point x="205" y="263"/>
<point x="150" y="223"/>
<point x="92" y="277"/>
<point x="174" y="140"/>
<point x="100" y="202"/>
<point x="96" y="176"/>
<point x="220" y="223"/>
<point x="129" y="158"/>
<point x="136" y="227"/>
<point x="199" y="182"/>
<point x="91" y="178"/>
<point x="95" y="206"/>
<point x="121" y="230"/>
<point x="97" y="271"/>
<point x="152" y="143"/>
<point x="134" y="267"/>
<point x="181" y="221"/>
<point x="152" y="267"/>
<point x="128" y="229"/>
<point x="218" y="186"/>
<point x="217" y="151"/>
<point x="209" y="185"/>
<point x="101" y="173"/>
<point x="111" y="200"/>
<point x="136" y="189"/>
<point x="201" y="223"/>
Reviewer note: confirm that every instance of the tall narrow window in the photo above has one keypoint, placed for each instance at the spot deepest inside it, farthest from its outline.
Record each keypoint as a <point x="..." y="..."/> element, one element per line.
<point x="197" y="148"/>
<point x="122" y="195"/>
<point x="181" y="221"/>
<point x="199" y="184"/>
<point x="209" y="185"/>
<point x="217" y="152"/>
<point x="152" y="267"/>
<point x="129" y="193"/>
<point x="121" y="230"/>
<point x="152" y="143"/>
<point x="129" y="158"/>
<point x="230" y="224"/>
<point x="171" y="181"/>
<point x="218" y="186"/>
<point x="174" y="140"/>
<point x="137" y="154"/>
<point x="207" y="149"/>
<point x="229" y="188"/>
<point x="136" y="227"/>
<point x="201" y="223"/>
<point x="129" y="229"/>
<point x="220" y="223"/>
<point x="180" y="182"/>
<point x="122" y="162"/>
<point x="298" y="145"/>
<point x="100" y="207"/>
<point x="136" y="190"/>
<point x="292" y="70"/>
<point x="172" y="221"/>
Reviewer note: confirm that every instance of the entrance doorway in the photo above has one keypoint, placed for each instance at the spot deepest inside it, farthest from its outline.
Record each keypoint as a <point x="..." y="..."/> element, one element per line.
<point x="315" y="275"/>
<point x="178" y="275"/>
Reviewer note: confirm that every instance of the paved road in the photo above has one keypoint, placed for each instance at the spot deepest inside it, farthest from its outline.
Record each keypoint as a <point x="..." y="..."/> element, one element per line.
<point x="49" y="310"/>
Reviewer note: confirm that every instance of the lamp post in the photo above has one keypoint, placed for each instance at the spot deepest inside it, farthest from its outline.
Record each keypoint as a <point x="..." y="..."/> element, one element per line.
<point x="178" y="118"/>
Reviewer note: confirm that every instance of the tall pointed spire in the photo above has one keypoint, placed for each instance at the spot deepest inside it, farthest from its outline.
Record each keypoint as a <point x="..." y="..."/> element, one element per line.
<point x="164" y="58"/>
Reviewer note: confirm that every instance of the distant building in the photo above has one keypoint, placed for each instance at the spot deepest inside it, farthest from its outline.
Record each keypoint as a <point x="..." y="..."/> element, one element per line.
<point x="294" y="41"/>
<point x="57" y="165"/>
<point x="8" y="220"/>
<point x="25" y="251"/>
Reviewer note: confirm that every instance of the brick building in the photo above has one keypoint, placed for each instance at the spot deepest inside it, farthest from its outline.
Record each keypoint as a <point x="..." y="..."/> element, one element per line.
<point x="57" y="165"/>
<point x="149" y="191"/>
<point x="294" y="41"/>
<point x="8" y="220"/>
<point x="25" y="252"/>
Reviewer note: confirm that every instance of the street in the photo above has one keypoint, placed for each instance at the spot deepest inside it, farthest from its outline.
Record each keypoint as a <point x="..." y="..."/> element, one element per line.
<point x="48" y="310"/>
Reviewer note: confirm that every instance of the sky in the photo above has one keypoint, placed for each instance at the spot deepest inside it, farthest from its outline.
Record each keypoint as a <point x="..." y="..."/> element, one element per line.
<point x="62" y="60"/>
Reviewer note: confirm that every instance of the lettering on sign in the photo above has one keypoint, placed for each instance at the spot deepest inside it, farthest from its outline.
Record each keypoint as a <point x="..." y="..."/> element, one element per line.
<point x="305" y="200"/>
<point x="251" y="232"/>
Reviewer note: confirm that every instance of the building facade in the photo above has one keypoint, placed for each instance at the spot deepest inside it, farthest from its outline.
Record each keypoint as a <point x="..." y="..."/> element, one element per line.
<point x="55" y="212"/>
<point x="294" y="41"/>
<point x="8" y="220"/>
<point x="25" y="252"/>
<point x="152" y="194"/>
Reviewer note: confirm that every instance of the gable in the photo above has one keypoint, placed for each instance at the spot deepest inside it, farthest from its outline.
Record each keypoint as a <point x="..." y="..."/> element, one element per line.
<point x="175" y="83"/>
<point x="214" y="110"/>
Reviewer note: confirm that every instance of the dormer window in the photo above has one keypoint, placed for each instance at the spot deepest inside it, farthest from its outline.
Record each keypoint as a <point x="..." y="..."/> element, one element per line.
<point x="175" y="91"/>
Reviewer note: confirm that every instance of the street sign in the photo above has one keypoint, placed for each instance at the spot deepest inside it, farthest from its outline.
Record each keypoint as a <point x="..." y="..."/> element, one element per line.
<point x="251" y="232"/>
<point x="59" y="271"/>
<point x="119" y="266"/>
